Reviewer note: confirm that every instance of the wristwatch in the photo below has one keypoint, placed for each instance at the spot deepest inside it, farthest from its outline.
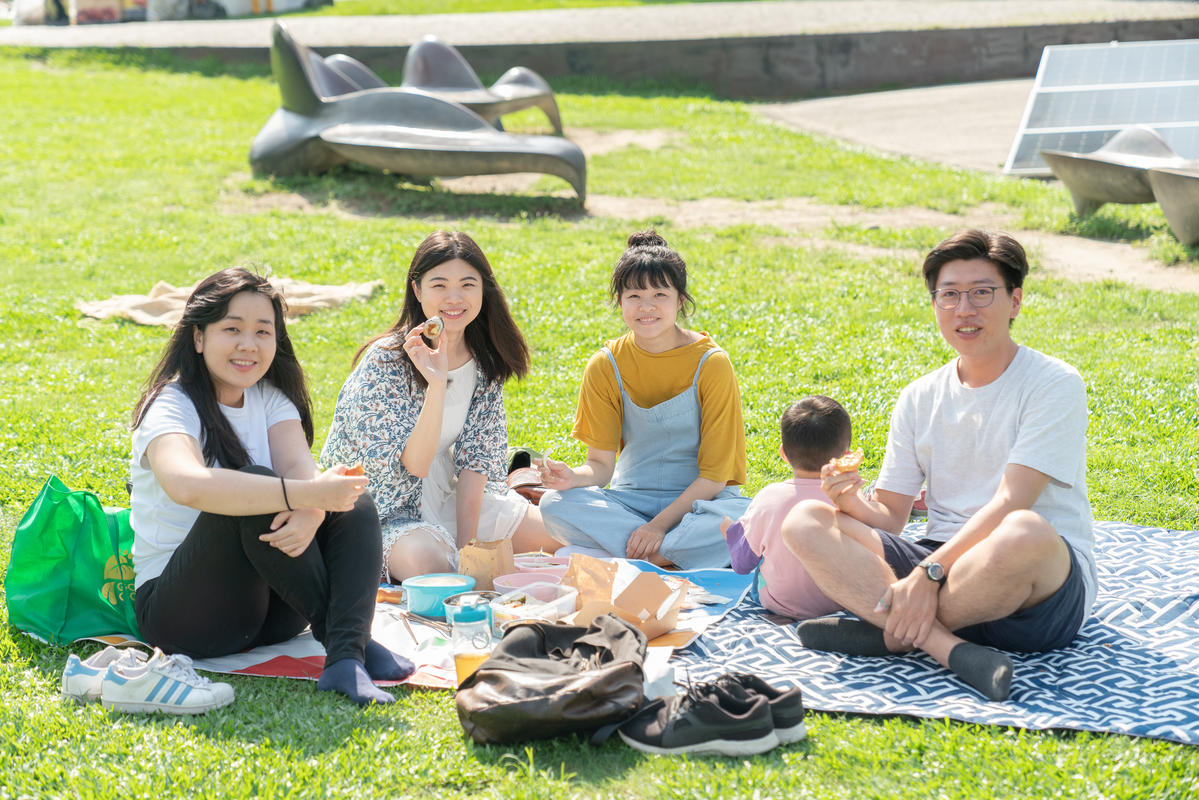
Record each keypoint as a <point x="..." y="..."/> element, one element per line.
<point x="933" y="570"/>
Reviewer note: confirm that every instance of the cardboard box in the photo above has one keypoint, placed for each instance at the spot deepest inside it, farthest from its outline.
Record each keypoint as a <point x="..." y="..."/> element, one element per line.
<point x="640" y="598"/>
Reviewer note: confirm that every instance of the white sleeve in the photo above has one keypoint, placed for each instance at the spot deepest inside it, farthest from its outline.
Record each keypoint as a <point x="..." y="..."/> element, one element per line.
<point x="1052" y="433"/>
<point x="171" y="412"/>
<point x="901" y="471"/>
<point x="278" y="407"/>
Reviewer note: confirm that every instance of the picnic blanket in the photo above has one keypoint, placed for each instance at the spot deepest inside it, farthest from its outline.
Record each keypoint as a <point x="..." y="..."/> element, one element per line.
<point x="1133" y="669"/>
<point x="428" y="646"/>
<point x="164" y="304"/>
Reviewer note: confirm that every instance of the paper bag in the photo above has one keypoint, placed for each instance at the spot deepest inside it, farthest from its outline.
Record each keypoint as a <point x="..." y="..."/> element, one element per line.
<point x="645" y="600"/>
<point x="485" y="561"/>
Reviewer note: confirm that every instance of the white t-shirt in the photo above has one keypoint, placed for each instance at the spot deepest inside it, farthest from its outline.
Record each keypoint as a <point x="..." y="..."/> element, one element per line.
<point x="958" y="440"/>
<point x="159" y="523"/>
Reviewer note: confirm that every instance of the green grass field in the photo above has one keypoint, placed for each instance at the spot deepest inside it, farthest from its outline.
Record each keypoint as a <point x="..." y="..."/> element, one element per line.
<point x="120" y="171"/>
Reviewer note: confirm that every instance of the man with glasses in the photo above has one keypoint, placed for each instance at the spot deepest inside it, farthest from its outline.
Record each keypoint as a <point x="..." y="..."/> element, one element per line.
<point x="998" y="438"/>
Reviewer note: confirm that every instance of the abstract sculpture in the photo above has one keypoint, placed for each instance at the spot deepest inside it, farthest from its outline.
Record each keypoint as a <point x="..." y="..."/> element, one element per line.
<point x="436" y="68"/>
<point x="1116" y="172"/>
<point x="325" y="119"/>
<point x="1177" y="192"/>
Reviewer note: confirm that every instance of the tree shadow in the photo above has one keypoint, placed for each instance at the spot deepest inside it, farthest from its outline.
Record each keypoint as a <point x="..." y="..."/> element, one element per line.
<point x="254" y="63"/>
<point x="360" y="192"/>
<point x="1108" y="227"/>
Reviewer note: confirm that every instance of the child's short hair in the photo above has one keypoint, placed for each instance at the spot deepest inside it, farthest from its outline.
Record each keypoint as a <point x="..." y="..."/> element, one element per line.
<point x="815" y="430"/>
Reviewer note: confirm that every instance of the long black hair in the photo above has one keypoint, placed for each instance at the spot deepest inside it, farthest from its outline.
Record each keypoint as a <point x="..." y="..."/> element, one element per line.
<point x="493" y="338"/>
<point x="209" y="303"/>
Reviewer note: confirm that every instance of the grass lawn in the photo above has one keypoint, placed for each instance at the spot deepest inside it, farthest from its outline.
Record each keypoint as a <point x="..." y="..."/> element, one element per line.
<point x="122" y="171"/>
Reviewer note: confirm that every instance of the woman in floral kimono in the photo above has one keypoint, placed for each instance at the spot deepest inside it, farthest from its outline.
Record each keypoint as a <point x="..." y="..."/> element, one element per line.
<point x="423" y="414"/>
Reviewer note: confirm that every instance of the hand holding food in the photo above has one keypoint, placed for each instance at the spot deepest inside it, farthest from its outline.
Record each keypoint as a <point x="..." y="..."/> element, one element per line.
<point x="433" y="328"/>
<point x="429" y="359"/>
<point x="335" y="489"/>
<point x="849" y="462"/>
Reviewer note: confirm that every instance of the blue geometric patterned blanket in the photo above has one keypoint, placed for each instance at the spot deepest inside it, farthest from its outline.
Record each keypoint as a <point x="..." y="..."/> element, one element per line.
<point x="1133" y="669"/>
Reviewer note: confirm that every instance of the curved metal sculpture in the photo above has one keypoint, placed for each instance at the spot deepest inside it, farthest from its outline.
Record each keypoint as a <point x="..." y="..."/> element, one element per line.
<point x="325" y="120"/>
<point x="1177" y="191"/>
<point x="438" y="68"/>
<point x="362" y="76"/>
<point x="1116" y="172"/>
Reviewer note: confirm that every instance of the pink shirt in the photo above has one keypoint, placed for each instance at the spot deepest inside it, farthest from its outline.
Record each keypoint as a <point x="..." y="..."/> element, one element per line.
<point x="789" y="589"/>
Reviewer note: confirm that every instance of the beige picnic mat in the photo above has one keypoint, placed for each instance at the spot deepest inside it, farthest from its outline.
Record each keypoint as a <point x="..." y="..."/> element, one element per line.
<point x="164" y="304"/>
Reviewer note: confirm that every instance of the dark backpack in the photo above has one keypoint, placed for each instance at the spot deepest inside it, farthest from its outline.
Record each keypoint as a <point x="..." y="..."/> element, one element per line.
<point x="545" y="680"/>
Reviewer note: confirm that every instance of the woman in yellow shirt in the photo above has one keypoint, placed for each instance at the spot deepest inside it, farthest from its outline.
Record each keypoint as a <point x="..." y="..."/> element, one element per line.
<point x="660" y="413"/>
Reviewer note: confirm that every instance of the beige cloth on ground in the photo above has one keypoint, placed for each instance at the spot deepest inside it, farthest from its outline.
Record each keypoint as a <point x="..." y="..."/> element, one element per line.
<point x="164" y="304"/>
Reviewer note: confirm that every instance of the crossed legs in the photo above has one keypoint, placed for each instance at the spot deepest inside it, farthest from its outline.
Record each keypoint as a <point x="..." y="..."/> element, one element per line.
<point x="1021" y="563"/>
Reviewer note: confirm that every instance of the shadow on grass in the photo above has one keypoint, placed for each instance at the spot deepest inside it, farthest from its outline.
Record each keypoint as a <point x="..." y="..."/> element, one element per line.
<point x="255" y="64"/>
<point x="1110" y="228"/>
<point x="147" y="59"/>
<point x="572" y="757"/>
<point x="374" y="194"/>
<point x="290" y="714"/>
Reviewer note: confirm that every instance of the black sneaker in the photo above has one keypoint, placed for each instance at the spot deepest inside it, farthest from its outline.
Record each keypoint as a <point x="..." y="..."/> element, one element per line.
<point x="786" y="707"/>
<point x="703" y="721"/>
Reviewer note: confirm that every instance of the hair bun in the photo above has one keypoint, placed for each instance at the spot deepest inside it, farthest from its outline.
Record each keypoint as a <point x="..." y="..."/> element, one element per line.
<point x="649" y="238"/>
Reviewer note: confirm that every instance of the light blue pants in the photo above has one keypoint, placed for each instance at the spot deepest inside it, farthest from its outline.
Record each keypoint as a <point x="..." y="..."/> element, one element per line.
<point x="605" y="518"/>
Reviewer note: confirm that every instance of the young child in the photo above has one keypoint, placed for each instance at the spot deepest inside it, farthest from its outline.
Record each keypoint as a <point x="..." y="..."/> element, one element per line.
<point x="815" y="430"/>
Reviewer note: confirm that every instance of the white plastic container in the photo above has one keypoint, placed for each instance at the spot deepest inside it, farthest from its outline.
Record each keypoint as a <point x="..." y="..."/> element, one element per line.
<point x="542" y="601"/>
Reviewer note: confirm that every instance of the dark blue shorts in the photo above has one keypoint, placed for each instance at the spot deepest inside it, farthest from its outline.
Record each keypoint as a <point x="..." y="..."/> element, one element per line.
<point x="1049" y="625"/>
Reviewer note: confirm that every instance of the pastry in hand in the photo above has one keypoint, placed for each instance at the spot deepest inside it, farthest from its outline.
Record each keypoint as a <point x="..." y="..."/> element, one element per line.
<point x="848" y="462"/>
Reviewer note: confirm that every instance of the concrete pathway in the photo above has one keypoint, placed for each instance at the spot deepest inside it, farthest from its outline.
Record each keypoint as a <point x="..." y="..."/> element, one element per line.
<point x="966" y="125"/>
<point x="649" y="23"/>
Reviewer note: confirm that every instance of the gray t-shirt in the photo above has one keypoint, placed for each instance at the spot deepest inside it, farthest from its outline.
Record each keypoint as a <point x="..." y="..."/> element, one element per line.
<point x="957" y="441"/>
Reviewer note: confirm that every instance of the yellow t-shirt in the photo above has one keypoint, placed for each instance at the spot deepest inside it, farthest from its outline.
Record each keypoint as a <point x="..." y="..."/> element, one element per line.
<point x="653" y="378"/>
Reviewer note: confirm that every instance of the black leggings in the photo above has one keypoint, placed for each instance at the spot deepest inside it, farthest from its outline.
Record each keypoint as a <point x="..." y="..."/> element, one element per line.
<point x="224" y="590"/>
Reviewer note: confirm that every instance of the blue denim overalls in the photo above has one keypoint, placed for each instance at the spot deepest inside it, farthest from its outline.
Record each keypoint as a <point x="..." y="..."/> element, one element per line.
<point x="658" y="461"/>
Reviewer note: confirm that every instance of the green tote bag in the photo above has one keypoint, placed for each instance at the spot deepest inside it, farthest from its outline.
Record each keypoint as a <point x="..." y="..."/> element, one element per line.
<point x="71" y="572"/>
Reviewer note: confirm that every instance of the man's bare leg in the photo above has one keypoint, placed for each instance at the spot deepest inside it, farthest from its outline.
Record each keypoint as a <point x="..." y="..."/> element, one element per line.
<point x="845" y="558"/>
<point x="1022" y="563"/>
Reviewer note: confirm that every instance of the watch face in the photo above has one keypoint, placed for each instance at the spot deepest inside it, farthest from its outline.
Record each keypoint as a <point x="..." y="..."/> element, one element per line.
<point x="935" y="571"/>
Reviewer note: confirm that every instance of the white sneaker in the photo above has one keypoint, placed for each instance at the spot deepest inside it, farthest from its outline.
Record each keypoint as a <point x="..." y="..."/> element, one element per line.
<point x="81" y="678"/>
<point x="164" y="683"/>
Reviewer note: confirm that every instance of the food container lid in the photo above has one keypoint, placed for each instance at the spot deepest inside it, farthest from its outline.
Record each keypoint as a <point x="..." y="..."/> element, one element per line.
<point x="471" y="613"/>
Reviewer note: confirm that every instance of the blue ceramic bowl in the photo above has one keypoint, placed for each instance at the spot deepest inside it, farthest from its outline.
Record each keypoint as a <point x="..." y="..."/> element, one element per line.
<point x="426" y="593"/>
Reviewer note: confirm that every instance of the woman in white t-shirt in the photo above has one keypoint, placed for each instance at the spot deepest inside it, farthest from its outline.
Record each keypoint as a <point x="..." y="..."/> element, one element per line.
<point x="425" y="416"/>
<point x="239" y="539"/>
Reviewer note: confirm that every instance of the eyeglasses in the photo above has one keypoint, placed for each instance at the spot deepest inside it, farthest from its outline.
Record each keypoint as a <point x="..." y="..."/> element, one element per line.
<point x="979" y="297"/>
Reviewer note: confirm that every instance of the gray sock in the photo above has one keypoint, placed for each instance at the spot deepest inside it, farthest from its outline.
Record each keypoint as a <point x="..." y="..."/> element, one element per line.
<point x="984" y="669"/>
<point x="853" y="637"/>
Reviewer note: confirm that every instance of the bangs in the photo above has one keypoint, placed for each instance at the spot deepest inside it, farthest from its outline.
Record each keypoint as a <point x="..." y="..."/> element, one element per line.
<point x="642" y="276"/>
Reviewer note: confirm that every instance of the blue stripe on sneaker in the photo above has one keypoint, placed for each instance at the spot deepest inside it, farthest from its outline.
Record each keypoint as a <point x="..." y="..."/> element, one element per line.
<point x="183" y="695"/>
<point x="161" y="682"/>
<point x="166" y="697"/>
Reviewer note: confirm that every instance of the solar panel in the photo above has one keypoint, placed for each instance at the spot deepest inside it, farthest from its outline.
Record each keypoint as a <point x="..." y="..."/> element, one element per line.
<point x="1085" y="94"/>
